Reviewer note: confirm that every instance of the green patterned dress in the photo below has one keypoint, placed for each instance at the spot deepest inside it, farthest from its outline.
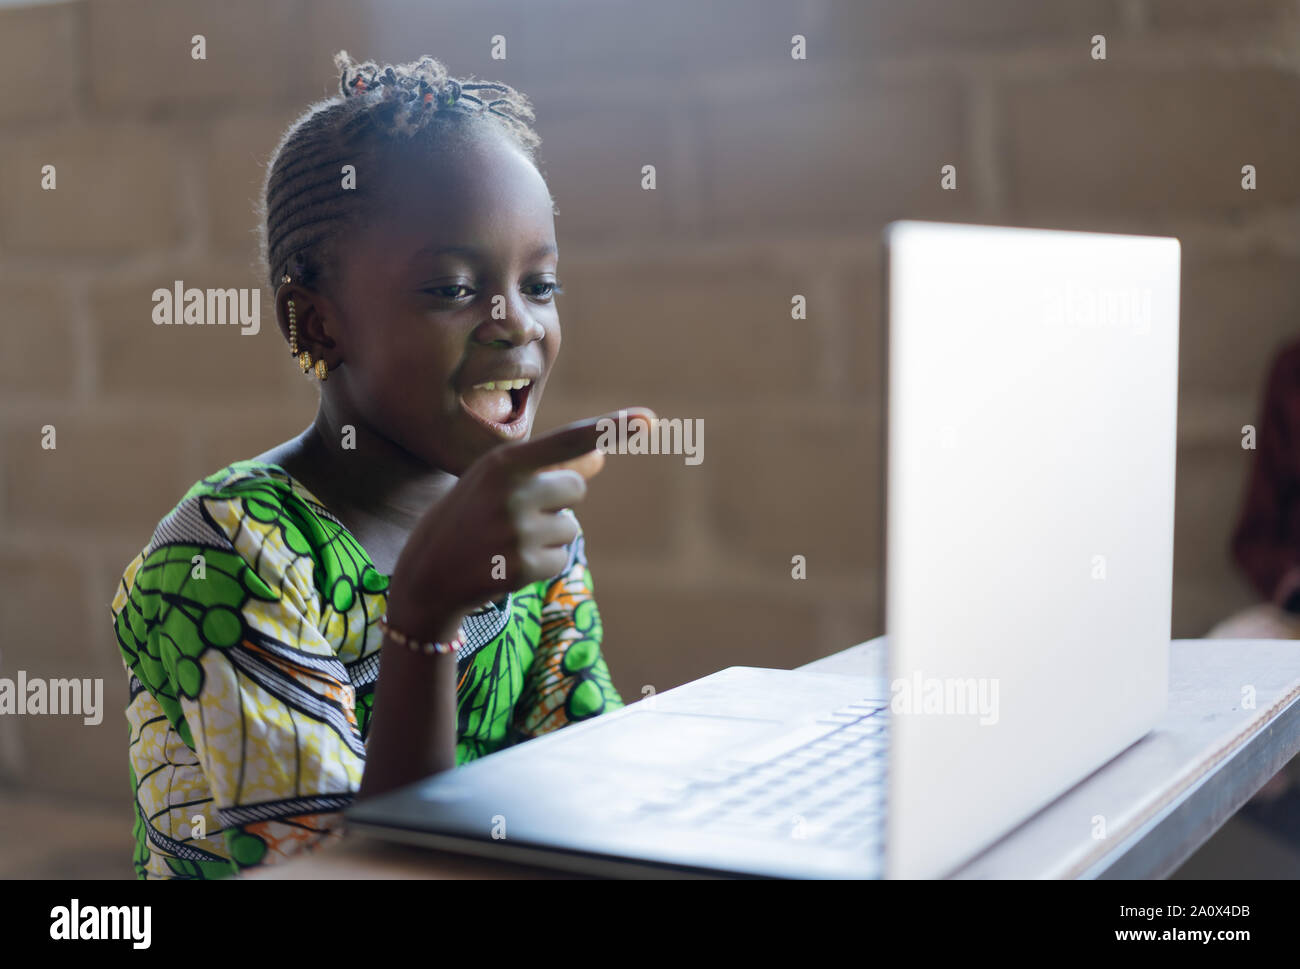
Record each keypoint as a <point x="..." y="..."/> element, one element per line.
<point x="249" y="629"/>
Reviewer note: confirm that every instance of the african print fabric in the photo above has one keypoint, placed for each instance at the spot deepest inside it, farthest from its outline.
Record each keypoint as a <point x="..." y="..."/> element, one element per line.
<point x="249" y="629"/>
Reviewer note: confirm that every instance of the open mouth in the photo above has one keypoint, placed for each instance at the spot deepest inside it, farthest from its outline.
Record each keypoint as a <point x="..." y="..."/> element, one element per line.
<point x="499" y="405"/>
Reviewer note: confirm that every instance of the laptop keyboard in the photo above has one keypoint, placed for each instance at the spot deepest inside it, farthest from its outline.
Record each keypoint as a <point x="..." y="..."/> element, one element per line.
<point x="824" y="782"/>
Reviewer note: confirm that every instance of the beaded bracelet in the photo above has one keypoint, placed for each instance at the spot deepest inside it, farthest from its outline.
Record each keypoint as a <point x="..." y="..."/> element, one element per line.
<point x="427" y="648"/>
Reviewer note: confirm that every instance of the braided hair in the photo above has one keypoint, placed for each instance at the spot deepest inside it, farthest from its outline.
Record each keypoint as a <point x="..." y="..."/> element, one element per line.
<point x="379" y="111"/>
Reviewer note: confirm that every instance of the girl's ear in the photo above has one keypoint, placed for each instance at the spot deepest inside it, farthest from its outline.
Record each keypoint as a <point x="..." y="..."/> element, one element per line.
<point x="312" y="313"/>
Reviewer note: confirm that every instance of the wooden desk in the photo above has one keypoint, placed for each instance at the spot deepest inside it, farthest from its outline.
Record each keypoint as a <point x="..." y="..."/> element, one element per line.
<point x="1162" y="798"/>
<point x="366" y="858"/>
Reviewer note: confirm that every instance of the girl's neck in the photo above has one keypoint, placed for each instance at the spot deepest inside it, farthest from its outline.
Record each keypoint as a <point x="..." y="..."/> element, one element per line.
<point x="375" y="480"/>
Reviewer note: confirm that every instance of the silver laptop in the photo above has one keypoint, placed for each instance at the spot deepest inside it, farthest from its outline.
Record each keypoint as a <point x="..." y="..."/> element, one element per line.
<point x="1031" y="409"/>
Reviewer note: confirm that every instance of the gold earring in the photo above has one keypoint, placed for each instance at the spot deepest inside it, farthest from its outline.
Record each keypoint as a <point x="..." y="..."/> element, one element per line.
<point x="293" y="321"/>
<point x="322" y="370"/>
<point x="293" y="330"/>
<point x="304" y="361"/>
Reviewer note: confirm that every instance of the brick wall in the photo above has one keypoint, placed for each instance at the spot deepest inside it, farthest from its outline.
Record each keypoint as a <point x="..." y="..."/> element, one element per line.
<point x="774" y="177"/>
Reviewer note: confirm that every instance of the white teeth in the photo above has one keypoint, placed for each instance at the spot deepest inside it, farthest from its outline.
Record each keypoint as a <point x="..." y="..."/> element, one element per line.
<point x="503" y="384"/>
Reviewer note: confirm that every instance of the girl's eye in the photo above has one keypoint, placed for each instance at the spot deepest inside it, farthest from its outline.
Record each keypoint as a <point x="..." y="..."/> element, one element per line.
<point x="452" y="291"/>
<point x="544" y="291"/>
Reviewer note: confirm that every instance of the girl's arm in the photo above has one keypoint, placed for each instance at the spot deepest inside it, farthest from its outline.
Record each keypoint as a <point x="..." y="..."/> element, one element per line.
<point x="508" y="509"/>
<point x="413" y="727"/>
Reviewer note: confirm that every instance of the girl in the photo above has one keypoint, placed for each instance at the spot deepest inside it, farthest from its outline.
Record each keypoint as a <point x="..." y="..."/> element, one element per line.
<point x="400" y="588"/>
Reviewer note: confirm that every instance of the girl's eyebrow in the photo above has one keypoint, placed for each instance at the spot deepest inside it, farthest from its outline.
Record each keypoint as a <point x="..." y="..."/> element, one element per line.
<point x="474" y="252"/>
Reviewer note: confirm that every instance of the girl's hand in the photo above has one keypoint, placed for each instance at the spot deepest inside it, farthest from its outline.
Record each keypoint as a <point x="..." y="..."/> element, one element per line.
<point x="502" y="518"/>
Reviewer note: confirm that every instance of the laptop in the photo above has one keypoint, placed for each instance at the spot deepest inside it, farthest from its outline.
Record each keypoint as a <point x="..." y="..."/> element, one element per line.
<point x="1031" y="413"/>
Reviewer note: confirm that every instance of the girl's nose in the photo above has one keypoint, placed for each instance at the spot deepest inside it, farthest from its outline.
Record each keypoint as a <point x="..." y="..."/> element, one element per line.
<point x="515" y="328"/>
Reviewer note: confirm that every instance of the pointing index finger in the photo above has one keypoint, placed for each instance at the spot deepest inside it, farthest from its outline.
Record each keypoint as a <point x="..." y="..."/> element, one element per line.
<point x="565" y="444"/>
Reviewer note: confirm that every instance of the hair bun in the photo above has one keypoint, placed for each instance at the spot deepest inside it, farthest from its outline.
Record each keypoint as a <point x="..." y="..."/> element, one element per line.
<point x="404" y="81"/>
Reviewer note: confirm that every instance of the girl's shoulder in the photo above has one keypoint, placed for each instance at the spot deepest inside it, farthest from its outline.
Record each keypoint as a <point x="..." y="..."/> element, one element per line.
<point x="248" y="509"/>
<point x="244" y="492"/>
<point x="258" y="479"/>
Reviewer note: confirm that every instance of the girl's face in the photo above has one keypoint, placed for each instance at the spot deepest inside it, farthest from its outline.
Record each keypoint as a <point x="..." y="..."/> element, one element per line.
<point x="443" y="316"/>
